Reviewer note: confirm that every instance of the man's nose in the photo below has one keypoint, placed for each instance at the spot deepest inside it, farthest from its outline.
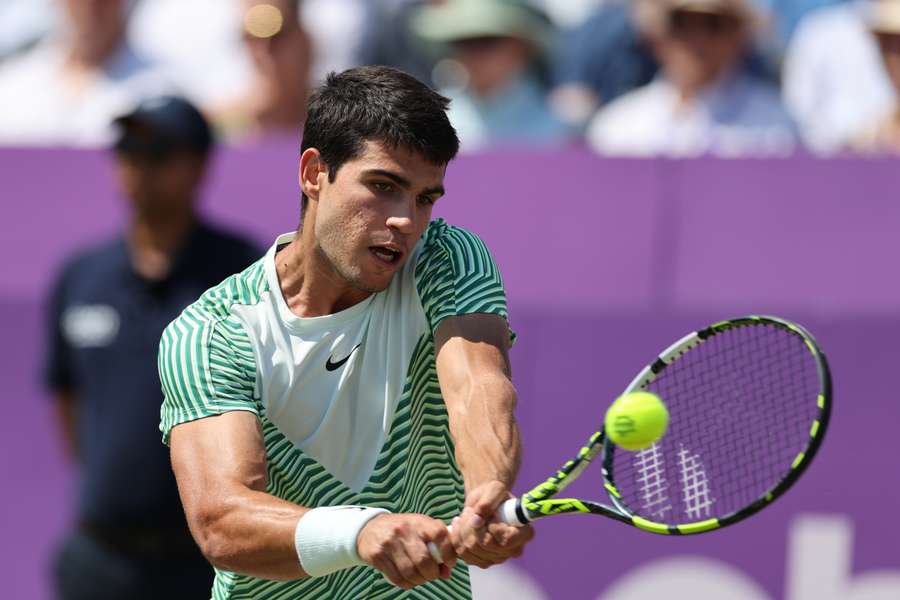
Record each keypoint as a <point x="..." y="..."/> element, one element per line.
<point x="402" y="218"/>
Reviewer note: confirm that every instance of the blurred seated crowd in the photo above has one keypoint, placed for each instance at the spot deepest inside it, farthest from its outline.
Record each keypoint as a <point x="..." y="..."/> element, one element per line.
<point x="674" y="78"/>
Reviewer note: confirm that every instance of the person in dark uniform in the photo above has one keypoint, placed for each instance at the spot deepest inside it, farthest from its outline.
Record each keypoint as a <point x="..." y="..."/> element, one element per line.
<point x="107" y="311"/>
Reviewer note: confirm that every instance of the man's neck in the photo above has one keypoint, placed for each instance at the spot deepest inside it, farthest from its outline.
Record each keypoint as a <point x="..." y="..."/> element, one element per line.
<point x="153" y="243"/>
<point x="309" y="283"/>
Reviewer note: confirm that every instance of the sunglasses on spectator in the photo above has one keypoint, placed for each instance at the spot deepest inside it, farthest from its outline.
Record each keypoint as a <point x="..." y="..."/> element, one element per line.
<point x="683" y="22"/>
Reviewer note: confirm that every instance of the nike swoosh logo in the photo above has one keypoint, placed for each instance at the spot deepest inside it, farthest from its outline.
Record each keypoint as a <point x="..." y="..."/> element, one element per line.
<point x="331" y="366"/>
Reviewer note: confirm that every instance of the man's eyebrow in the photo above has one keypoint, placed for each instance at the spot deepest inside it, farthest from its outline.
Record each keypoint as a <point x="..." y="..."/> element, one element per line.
<point x="402" y="181"/>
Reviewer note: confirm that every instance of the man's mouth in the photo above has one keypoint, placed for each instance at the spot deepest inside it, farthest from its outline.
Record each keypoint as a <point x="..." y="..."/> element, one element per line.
<point x="390" y="256"/>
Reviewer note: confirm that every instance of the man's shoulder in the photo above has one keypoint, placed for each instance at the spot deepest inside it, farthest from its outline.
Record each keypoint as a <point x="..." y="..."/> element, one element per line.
<point x="440" y="233"/>
<point x="442" y="242"/>
<point x="451" y="254"/>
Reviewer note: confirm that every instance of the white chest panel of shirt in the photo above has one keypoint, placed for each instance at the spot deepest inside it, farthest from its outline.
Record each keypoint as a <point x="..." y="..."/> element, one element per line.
<point x="331" y="384"/>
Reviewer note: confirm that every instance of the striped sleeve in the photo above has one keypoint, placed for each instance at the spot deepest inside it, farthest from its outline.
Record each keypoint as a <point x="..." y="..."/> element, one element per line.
<point x="456" y="275"/>
<point x="206" y="367"/>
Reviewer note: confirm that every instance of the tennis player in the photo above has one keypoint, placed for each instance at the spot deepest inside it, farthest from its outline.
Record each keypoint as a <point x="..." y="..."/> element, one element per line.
<point x="333" y="406"/>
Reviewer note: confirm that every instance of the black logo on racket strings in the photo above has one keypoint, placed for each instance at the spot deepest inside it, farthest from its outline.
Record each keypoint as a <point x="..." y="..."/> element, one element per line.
<point x="623" y="426"/>
<point x="331" y="366"/>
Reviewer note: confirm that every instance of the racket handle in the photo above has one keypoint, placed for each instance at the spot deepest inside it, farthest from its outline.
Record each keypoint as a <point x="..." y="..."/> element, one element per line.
<point x="506" y="513"/>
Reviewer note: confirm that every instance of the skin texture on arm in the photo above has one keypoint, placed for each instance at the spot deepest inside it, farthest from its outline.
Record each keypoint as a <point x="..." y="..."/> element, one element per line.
<point x="220" y="465"/>
<point x="473" y="370"/>
<point x="474" y="373"/>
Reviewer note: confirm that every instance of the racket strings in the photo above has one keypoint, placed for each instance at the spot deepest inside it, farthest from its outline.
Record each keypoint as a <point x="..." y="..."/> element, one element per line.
<point x="741" y="405"/>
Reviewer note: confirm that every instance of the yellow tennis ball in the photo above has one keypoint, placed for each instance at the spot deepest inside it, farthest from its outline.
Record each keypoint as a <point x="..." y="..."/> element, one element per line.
<point x="637" y="420"/>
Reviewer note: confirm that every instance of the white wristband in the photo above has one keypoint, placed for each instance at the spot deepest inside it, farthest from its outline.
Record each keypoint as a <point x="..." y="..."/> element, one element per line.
<point x="325" y="538"/>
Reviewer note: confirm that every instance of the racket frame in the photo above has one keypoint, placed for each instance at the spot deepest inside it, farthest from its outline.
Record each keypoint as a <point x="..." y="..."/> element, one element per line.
<point x="542" y="501"/>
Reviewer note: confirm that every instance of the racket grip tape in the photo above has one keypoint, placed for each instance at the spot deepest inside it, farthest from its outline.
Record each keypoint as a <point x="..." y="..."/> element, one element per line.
<point x="506" y="513"/>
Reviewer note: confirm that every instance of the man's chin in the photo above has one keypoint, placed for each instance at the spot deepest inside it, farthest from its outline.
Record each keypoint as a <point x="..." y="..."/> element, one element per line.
<point x="371" y="284"/>
<point x="375" y="287"/>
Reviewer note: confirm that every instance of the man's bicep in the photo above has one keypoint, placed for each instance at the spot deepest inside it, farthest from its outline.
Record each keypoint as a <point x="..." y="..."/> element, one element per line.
<point x="213" y="455"/>
<point x="471" y="346"/>
<point x="474" y="376"/>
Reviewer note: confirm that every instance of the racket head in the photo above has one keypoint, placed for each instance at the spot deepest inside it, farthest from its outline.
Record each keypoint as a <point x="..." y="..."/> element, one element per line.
<point x="749" y="402"/>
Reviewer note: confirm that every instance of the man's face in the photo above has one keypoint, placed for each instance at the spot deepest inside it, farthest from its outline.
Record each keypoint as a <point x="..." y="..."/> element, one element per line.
<point x="698" y="48"/>
<point x="369" y="219"/>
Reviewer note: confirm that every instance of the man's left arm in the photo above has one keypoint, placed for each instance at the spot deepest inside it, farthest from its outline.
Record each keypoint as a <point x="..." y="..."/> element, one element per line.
<point x="474" y="374"/>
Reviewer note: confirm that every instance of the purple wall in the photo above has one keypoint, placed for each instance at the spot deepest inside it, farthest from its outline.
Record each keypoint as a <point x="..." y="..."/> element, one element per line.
<point x="606" y="262"/>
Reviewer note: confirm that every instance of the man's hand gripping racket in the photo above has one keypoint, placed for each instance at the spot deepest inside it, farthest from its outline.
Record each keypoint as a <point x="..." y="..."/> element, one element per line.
<point x="748" y="401"/>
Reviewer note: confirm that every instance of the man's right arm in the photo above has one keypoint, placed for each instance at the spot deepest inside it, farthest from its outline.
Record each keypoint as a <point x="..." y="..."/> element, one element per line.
<point x="220" y="465"/>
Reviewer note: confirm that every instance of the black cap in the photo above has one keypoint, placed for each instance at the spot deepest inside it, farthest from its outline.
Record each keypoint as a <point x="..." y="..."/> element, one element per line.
<point x="172" y="118"/>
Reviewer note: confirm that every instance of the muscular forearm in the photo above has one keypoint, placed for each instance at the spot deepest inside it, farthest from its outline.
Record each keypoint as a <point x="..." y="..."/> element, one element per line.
<point x="488" y="452"/>
<point x="252" y="533"/>
<point x="485" y="431"/>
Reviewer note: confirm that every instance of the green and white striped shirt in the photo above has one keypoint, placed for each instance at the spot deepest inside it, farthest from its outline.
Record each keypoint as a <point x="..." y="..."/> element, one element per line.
<point x="349" y="403"/>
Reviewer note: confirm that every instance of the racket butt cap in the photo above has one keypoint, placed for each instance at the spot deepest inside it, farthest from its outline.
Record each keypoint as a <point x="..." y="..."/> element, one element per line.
<point x="510" y="513"/>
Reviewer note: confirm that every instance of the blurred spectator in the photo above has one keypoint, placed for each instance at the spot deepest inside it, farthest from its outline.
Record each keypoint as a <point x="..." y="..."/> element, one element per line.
<point x="598" y="61"/>
<point x="835" y="83"/>
<point x="571" y="13"/>
<point x="22" y="24"/>
<point x="389" y="39"/>
<point x="787" y="15"/>
<point x="107" y="313"/>
<point x="704" y="101"/>
<point x="605" y="57"/>
<point x="67" y="90"/>
<point x="495" y="73"/>
<point x="281" y="53"/>
<point x="884" y="23"/>
<point x="197" y="43"/>
<point x="337" y="29"/>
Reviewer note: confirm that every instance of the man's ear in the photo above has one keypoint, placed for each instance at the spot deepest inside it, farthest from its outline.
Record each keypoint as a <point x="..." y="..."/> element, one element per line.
<point x="312" y="170"/>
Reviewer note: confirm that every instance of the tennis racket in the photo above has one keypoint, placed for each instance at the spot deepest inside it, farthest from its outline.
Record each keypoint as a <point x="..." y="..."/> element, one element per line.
<point x="749" y="401"/>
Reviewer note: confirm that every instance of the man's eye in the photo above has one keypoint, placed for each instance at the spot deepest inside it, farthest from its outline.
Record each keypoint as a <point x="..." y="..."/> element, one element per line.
<point x="427" y="200"/>
<point x="383" y="186"/>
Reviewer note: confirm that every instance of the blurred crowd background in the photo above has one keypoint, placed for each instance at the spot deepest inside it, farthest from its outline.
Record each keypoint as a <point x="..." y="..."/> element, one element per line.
<point x="625" y="77"/>
<point x="162" y="83"/>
